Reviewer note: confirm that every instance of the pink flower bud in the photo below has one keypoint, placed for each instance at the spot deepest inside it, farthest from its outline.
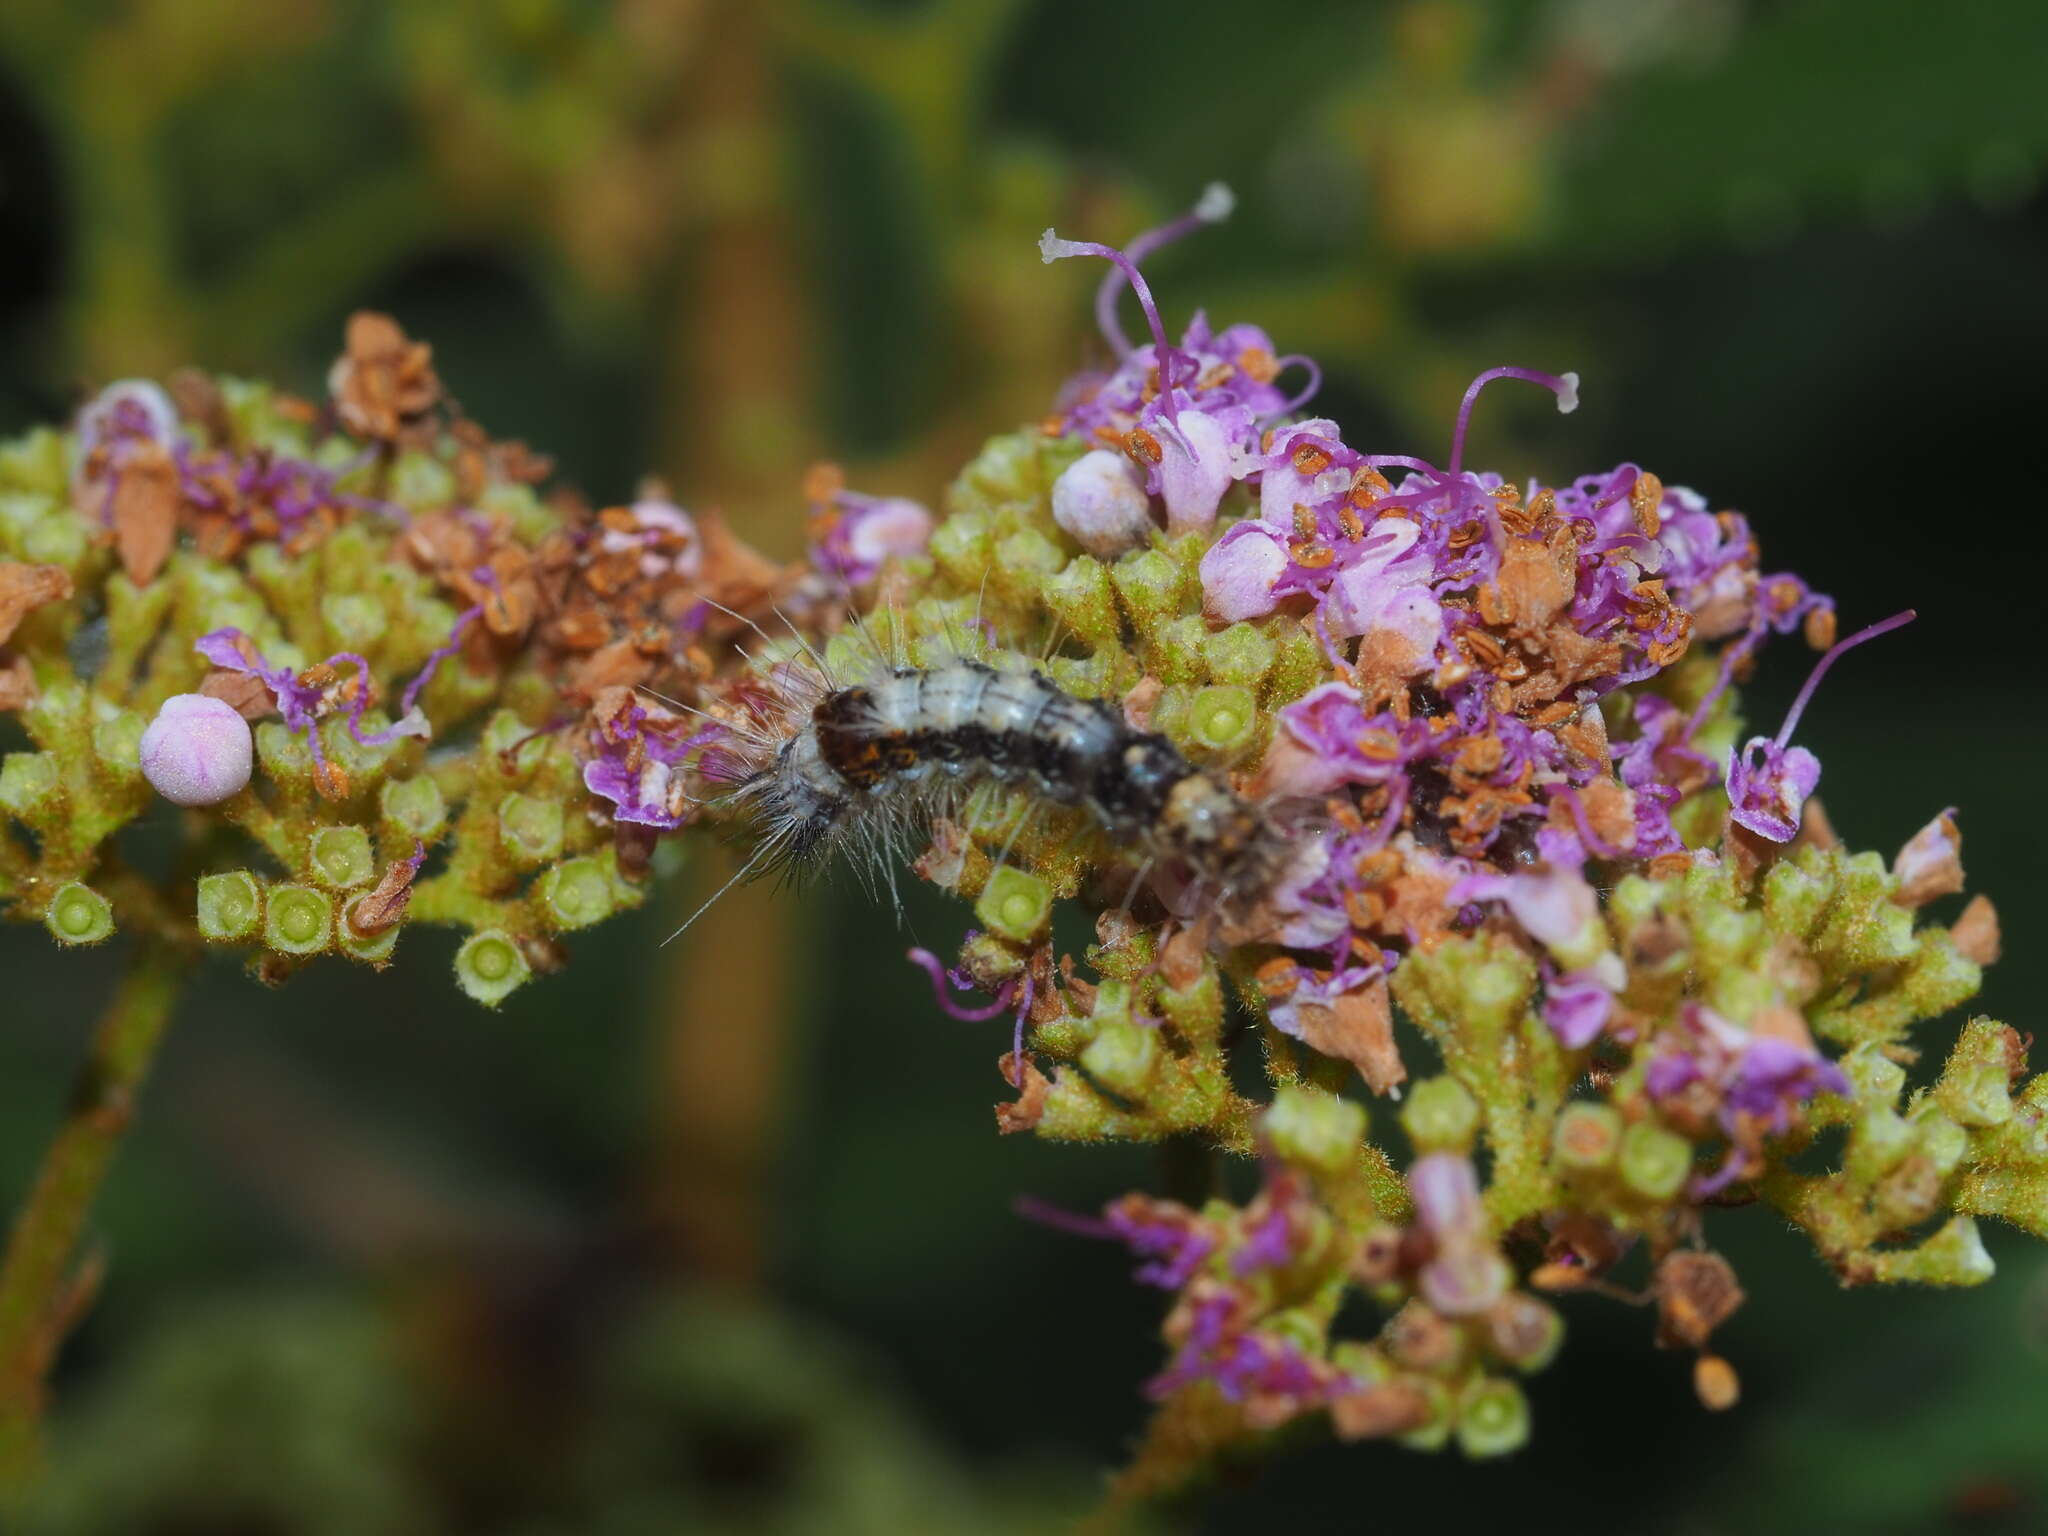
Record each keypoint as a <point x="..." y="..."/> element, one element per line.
<point x="197" y="751"/>
<point x="1101" y="501"/>
<point x="1239" y="571"/>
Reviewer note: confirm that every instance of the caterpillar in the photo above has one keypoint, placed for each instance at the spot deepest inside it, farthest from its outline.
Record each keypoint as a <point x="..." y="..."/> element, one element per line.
<point x="864" y="763"/>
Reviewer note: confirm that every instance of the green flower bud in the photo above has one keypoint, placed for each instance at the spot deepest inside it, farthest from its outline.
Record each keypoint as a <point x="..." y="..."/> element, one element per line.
<point x="961" y="546"/>
<point x="1654" y="1162"/>
<point x="117" y="744"/>
<point x="576" y="893"/>
<point x="1223" y="719"/>
<point x="504" y="732"/>
<point x="1974" y="1084"/>
<point x="372" y="950"/>
<point x="1434" y="1432"/>
<point x="38" y="460"/>
<point x="354" y="622"/>
<point x="1795" y="898"/>
<point x="1015" y="904"/>
<point x="58" y="539"/>
<point x="1586" y="1137"/>
<point x="342" y="857"/>
<point x="1953" y="1256"/>
<point x="530" y="829"/>
<point x="1240" y="655"/>
<point x="490" y="968"/>
<point x="1112" y="1000"/>
<point x="1941" y="1141"/>
<point x="283" y="753"/>
<point x="78" y="914"/>
<point x="1876" y="1078"/>
<point x="297" y="919"/>
<point x="414" y="806"/>
<point x="1440" y="1116"/>
<point x="1079" y="595"/>
<point x="1024" y="560"/>
<point x="1879" y="1143"/>
<point x="1493" y="1418"/>
<point x="1314" y="1128"/>
<point x="230" y="906"/>
<point x="421" y="482"/>
<point x="1149" y="584"/>
<point x="28" y="782"/>
<point x="1123" y="1057"/>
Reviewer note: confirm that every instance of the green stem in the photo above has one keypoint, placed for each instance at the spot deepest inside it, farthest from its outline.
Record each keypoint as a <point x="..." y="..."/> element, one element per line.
<point x="37" y="1298"/>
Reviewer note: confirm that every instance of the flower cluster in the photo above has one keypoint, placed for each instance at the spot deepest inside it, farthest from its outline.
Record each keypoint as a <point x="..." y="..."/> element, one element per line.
<point x="1492" y="723"/>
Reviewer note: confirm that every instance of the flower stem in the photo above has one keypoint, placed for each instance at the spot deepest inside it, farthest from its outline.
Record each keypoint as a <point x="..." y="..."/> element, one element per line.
<point x="37" y="1298"/>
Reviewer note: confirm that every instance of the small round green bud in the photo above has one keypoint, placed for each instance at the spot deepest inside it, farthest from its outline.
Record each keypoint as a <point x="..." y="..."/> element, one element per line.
<point x="414" y="805"/>
<point x="355" y="621"/>
<point x="1586" y="1137"/>
<point x="57" y="539"/>
<point x="576" y="893"/>
<point x="1149" y="583"/>
<point x="1123" y="1057"/>
<point x="373" y="950"/>
<point x="78" y="914"/>
<point x="1435" y="1429"/>
<point x="1492" y="992"/>
<point x="1026" y="558"/>
<point x="421" y="482"/>
<point x="1654" y="1161"/>
<point x="1876" y="1078"/>
<point x="297" y="919"/>
<point x="1079" y="595"/>
<point x="1942" y="1141"/>
<point x="1878" y="1144"/>
<point x="1239" y="654"/>
<point x="1223" y="718"/>
<point x="490" y="968"/>
<point x="1975" y="1084"/>
<point x="1440" y="1116"/>
<point x="1493" y="1418"/>
<point x="283" y="753"/>
<point x="230" y="906"/>
<point x="1015" y="904"/>
<point x="117" y="743"/>
<point x="530" y="828"/>
<point x="342" y="857"/>
<point x="504" y="732"/>
<point x="1112" y="1000"/>
<point x="1314" y="1128"/>
<point x="28" y="782"/>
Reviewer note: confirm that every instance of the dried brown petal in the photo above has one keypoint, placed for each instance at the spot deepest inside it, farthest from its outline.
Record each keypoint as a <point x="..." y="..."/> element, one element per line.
<point x="24" y="588"/>
<point x="1975" y="934"/>
<point x="1358" y="1027"/>
<point x="250" y="697"/>
<point x="17" y="684"/>
<point x="1696" y="1293"/>
<point x="1029" y="1106"/>
<point x="383" y="382"/>
<point x="1931" y="863"/>
<point x="384" y="907"/>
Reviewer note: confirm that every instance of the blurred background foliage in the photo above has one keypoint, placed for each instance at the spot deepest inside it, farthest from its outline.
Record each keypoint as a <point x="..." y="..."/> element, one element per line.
<point x="718" y="1237"/>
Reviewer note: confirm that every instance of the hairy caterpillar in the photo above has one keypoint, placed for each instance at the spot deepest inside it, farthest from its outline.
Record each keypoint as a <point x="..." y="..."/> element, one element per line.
<point x="829" y="765"/>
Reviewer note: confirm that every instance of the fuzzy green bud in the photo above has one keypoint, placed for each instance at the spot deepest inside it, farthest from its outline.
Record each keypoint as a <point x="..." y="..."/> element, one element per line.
<point x="1586" y="1137"/>
<point x="576" y="893"/>
<point x="1974" y="1084"/>
<point x="230" y="906"/>
<point x="1434" y="1432"/>
<point x="1953" y="1256"/>
<point x="1223" y="719"/>
<point x="297" y="919"/>
<point x="1123" y="1057"/>
<point x="1014" y="904"/>
<point x="1239" y="655"/>
<point x="341" y="857"/>
<point x="58" y="539"/>
<point x="415" y="806"/>
<point x="490" y="968"/>
<point x="117" y="744"/>
<point x="1149" y="584"/>
<point x="1314" y="1128"/>
<point x="1079" y="595"/>
<point x="961" y="547"/>
<point x="28" y="782"/>
<point x="1025" y="559"/>
<point x="1440" y="1116"/>
<point x="1654" y="1162"/>
<point x="1874" y="1076"/>
<point x="531" y="829"/>
<point x="78" y="914"/>
<point x="1493" y="1418"/>
<point x="283" y="753"/>
<point x="1878" y="1144"/>
<point x="354" y="621"/>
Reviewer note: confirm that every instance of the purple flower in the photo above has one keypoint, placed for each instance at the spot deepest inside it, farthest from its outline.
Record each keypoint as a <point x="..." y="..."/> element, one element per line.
<point x="637" y="764"/>
<point x="860" y="533"/>
<point x="1758" y="1077"/>
<point x="1769" y="782"/>
<point x="197" y="751"/>
<point x="1100" y="499"/>
<point x="1239" y="572"/>
<point x="1553" y="903"/>
<point x="1577" y="1004"/>
<point x="1173" y="1240"/>
<point x="127" y="415"/>
<point x="302" y="703"/>
<point x="1445" y="1188"/>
